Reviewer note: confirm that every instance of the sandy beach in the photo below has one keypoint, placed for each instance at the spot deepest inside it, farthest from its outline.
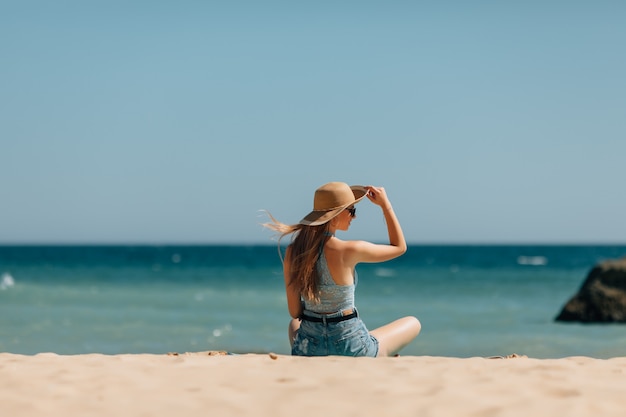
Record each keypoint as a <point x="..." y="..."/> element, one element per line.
<point x="210" y="384"/>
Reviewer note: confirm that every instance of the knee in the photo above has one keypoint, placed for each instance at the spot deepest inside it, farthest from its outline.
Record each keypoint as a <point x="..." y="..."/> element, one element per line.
<point x="414" y="323"/>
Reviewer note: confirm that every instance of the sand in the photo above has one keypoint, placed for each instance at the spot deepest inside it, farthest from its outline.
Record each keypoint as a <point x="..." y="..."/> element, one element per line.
<point x="199" y="384"/>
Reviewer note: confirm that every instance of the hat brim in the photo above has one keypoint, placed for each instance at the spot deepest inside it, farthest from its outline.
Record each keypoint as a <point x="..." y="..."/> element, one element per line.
<point x="318" y="217"/>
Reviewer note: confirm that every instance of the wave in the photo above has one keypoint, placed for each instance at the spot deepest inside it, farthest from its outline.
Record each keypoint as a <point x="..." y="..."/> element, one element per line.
<point x="6" y="282"/>
<point x="532" y="260"/>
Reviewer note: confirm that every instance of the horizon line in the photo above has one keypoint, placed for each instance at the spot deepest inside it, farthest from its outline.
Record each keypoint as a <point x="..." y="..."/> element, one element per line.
<point x="255" y="243"/>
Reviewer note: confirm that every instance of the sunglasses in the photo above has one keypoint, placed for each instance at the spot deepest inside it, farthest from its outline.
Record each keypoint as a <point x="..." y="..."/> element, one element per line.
<point x="352" y="211"/>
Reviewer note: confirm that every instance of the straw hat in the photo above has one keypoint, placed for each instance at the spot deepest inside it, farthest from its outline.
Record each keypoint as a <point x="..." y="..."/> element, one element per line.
<point x="330" y="199"/>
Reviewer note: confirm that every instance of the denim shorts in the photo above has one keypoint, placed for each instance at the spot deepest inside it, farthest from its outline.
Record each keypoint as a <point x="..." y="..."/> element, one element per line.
<point x="344" y="338"/>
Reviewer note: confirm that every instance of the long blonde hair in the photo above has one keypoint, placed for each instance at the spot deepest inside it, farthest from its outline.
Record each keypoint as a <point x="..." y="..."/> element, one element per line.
<point x="305" y="246"/>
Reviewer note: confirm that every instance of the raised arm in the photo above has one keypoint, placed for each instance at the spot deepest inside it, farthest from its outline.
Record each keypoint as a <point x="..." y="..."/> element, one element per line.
<point x="362" y="251"/>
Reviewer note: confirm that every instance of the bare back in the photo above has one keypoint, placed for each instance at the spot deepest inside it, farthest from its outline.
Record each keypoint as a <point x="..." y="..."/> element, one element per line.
<point x="340" y="266"/>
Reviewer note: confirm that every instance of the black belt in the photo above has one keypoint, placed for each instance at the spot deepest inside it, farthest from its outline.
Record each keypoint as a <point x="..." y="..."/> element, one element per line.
<point x="330" y="319"/>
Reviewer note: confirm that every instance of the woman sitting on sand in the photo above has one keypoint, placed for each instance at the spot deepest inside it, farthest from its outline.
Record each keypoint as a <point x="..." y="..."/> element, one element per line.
<point x="320" y="277"/>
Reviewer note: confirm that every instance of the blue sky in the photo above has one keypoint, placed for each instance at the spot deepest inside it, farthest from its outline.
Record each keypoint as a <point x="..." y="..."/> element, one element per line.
<point x="176" y="122"/>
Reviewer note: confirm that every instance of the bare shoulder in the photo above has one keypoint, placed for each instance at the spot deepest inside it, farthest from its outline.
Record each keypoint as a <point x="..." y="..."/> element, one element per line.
<point x="363" y="251"/>
<point x="349" y="245"/>
<point x="355" y="245"/>
<point x="357" y="250"/>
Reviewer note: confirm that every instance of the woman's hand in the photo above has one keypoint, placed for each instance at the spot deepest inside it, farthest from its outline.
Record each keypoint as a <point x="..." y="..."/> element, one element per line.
<point x="378" y="196"/>
<point x="369" y="252"/>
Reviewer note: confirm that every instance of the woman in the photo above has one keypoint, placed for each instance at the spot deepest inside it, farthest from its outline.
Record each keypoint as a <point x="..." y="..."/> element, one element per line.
<point x="320" y="277"/>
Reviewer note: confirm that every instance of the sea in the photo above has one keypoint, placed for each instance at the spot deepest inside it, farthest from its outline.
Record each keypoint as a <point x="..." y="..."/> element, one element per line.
<point x="472" y="300"/>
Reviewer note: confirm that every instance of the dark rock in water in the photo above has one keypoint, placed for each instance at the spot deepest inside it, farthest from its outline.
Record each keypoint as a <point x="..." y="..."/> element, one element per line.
<point x="602" y="297"/>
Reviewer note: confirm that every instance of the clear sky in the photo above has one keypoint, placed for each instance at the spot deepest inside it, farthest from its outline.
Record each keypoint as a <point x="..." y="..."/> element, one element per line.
<point x="176" y="122"/>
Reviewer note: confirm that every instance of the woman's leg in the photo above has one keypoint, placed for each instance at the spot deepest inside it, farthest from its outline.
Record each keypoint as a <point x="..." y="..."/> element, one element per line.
<point x="294" y="325"/>
<point x="394" y="336"/>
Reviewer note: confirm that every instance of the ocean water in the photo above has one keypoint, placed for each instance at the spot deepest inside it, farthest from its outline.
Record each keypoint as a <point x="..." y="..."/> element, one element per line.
<point x="471" y="300"/>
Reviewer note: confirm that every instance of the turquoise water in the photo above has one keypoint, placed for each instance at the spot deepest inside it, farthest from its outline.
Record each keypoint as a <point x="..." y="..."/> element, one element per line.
<point x="471" y="300"/>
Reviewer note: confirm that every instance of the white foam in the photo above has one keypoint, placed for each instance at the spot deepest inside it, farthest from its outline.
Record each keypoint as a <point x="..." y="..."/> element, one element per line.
<point x="532" y="260"/>
<point x="385" y="272"/>
<point x="7" y="281"/>
<point x="220" y="331"/>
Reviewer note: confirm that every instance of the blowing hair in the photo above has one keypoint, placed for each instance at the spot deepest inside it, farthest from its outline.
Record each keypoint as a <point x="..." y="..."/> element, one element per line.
<point x="305" y="247"/>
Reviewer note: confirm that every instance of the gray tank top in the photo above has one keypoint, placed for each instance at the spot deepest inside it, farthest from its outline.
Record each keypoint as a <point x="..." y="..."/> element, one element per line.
<point x="333" y="297"/>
